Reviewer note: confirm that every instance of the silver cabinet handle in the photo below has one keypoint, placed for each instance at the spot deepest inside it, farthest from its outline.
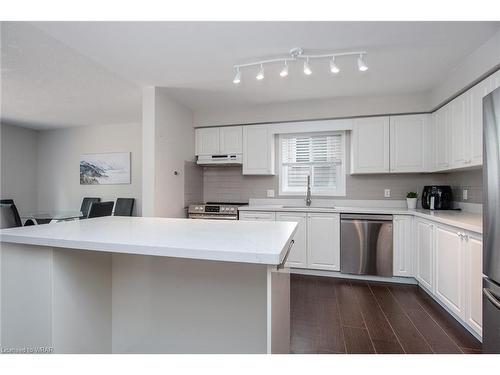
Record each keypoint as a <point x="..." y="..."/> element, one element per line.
<point x="459" y="235"/>
<point x="491" y="297"/>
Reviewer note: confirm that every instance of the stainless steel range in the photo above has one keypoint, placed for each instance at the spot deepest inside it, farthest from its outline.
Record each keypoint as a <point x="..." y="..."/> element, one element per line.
<point x="214" y="210"/>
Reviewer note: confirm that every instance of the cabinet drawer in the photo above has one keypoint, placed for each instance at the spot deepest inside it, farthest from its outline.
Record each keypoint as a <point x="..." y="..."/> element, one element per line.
<point x="257" y="215"/>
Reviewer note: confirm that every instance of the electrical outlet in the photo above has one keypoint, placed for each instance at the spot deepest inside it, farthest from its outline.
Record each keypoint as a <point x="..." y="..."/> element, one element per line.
<point x="387" y="193"/>
<point x="270" y="193"/>
<point x="464" y="194"/>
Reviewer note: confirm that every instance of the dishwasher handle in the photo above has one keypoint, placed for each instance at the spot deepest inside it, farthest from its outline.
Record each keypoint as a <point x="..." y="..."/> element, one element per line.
<point x="367" y="217"/>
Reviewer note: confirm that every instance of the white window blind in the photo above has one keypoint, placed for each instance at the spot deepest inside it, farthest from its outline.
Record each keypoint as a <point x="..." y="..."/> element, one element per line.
<point x="318" y="155"/>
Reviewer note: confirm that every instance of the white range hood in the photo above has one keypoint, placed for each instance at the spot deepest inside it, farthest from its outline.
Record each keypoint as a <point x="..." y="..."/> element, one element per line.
<point x="227" y="159"/>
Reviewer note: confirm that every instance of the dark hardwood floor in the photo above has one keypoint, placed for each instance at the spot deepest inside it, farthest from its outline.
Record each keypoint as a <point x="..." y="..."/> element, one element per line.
<point x="345" y="316"/>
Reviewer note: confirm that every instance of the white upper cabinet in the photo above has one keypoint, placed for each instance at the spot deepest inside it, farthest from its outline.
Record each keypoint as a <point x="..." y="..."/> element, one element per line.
<point x="298" y="253"/>
<point x="403" y="246"/>
<point x="460" y="131"/>
<point x="441" y="130"/>
<point x="408" y="143"/>
<point x="231" y="140"/>
<point x="370" y="145"/>
<point x="258" y="150"/>
<point x="219" y="141"/>
<point x="207" y="141"/>
<point x="323" y="241"/>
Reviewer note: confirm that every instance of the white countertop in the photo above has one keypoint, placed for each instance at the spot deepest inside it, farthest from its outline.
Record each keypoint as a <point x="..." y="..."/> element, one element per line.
<point x="220" y="240"/>
<point x="462" y="219"/>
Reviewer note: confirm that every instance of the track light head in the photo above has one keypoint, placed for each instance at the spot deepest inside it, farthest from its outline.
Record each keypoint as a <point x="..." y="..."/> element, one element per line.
<point x="362" y="64"/>
<point x="307" y="68"/>
<point x="333" y="66"/>
<point x="260" y="75"/>
<point x="237" y="77"/>
<point x="284" y="71"/>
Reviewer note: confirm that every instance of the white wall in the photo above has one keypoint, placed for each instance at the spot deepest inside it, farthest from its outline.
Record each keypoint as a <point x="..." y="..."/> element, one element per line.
<point x="168" y="141"/>
<point x="19" y="166"/>
<point x="58" y="164"/>
<point x="481" y="61"/>
<point x="314" y="109"/>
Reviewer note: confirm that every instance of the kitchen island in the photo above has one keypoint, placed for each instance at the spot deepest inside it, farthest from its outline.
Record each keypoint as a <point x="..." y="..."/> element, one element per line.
<point x="146" y="285"/>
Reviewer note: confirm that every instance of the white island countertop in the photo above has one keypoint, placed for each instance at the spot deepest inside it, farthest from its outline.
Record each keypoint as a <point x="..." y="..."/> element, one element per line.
<point x="219" y="240"/>
<point x="462" y="219"/>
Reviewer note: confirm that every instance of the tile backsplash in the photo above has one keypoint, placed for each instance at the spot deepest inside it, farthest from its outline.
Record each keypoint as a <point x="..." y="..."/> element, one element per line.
<point x="228" y="184"/>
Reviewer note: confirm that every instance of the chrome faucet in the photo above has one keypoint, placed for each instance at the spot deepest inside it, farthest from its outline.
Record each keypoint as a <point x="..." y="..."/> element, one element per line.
<point x="308" y="194"/>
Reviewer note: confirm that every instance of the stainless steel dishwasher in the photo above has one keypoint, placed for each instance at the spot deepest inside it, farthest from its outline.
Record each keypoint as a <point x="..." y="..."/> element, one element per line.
<point x="366" y="244"/>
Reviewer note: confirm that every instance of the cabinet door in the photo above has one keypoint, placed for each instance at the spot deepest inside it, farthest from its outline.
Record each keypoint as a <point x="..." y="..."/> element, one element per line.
<point x="231" y="138"/>
<point x="424" y="253"/>
<point x="297" y="257"/>
<point x="449" y="255"/>
<point x="323" y="241"/>
<point x="474" y="283"/>
<point x="207" y="141"/>
<point x="459" y="130"/>
<point x="258" y="150"/>
<point x="442" y="139"/>
<point x="408" y="142"/>
<point x="370" y="145"/>
<point x="257" y="215"/>
<point x="403" y="246"/>
<point x="477" y="93"/>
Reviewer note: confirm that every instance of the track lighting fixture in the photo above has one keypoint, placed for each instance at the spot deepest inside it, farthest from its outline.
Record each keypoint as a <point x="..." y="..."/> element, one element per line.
<point x="284" y="71"/>
<point x="296" y="54"/>
<point x="362" y="64"/>
<point x="260" y="75"/>
<point x="307" y="68"/>
<point x="237" y="77"/>
<point x="333" y="66"/>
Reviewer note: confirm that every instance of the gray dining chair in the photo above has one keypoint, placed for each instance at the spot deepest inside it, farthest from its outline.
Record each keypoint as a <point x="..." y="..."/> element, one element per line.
<point x="9" y="217"/>
<point x="14" y="209"/>
<point x="86" y="203"/>
<point x="100" y="209"/>
<point x="124" y="206"/>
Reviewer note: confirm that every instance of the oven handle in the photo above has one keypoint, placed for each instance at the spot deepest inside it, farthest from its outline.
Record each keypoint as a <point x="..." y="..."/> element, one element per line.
<point x="282" y="264"/>
<point x="219" y="217"/>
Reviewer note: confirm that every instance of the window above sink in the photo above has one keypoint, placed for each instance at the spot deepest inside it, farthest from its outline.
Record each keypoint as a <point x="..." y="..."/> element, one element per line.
<point x="320" y="155"/>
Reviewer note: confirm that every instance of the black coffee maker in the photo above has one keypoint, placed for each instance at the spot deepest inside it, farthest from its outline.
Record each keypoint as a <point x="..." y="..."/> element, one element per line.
<point x="438" y="196"/>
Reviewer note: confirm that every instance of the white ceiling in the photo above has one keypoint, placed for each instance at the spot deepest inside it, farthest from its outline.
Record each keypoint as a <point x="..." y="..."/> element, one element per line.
<point x="81" y="72"/>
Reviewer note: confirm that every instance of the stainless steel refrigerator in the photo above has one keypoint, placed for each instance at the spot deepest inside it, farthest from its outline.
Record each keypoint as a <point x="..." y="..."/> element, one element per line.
<point x="491" y="223"/>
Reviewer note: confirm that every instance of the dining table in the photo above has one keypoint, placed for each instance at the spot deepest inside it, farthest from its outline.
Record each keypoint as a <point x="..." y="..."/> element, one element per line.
<point x="48" y="216"/>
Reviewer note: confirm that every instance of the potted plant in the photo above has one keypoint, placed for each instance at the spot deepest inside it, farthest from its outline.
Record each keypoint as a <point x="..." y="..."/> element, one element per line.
<point x="411" y="199"/>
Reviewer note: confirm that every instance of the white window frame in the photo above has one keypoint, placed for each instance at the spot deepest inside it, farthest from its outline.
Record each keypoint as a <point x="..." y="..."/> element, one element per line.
<point x="341" y="188"/>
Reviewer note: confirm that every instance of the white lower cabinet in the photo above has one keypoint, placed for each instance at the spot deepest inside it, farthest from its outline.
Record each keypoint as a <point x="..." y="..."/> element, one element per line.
<point x="424" y="263"/>
<point x="449" y="259"/>
<point x="323" y="241"/>
<point x="449" y="266"/>
<point x="402" y="246"/>
<point x="298" y="253"/>
<point x="474" y="283"/>
<point x="317" y="240"/>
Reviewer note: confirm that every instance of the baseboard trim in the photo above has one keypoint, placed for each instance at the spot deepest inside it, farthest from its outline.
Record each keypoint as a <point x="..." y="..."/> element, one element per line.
<point x="457" y="318"/>
<point x="338" y="275"/>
